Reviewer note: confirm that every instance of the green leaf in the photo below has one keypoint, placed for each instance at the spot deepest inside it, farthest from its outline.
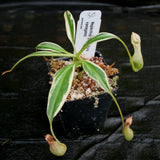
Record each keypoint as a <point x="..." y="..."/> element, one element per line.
<point x="49" y="46"/>
<point x="96" y="73"/>
<point x="70" y="26"/>
<point x="98" y="38"/>
<point x="59" y="90"/>
<point x="136" y="60"/>
<point x="40" y="53"/>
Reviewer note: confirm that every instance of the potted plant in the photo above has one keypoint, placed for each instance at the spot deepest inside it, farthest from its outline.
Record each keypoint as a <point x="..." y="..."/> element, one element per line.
<point x="63" y="79"/>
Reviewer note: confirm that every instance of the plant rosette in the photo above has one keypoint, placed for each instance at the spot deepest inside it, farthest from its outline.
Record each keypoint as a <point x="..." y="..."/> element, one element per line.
<point x="87" y="105"/>
<point x="64" y="77"/>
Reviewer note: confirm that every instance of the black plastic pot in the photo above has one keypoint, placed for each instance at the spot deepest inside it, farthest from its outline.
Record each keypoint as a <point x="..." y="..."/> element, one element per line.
<point x="81" y="117"/>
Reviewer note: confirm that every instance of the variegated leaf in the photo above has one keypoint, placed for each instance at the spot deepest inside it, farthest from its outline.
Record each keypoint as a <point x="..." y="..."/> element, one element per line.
<point x="49" y="46"/>
<point x="103" y="36"/>
<point x="136" y="60"/>
<point x="70" y="26"/>
<point x="59" y="90"/>
<point x="40" y="53"/>
<point x="96" y="73"/>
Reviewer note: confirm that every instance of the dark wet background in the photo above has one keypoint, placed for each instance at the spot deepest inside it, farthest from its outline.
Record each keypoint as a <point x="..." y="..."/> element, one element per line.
<point x="23" y="93"/>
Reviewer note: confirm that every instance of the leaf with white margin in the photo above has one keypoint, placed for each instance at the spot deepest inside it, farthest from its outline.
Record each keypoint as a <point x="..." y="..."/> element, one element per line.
<point x="70" y="26"/>
<point x="40" y="53"/>
<point x="49" y="46"/>
<point x="103" y="36"/>
<point x="96" y="73"/>
<point x="136" y="60"/>
<point x="60" y="89"/>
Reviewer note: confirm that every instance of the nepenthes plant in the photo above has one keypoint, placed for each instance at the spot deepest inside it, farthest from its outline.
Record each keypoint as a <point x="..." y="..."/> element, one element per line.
<point x="63" y="78"/>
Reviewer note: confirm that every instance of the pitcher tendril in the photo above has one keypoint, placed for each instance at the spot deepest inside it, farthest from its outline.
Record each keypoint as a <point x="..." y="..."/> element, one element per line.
<point x="64" y="77"/>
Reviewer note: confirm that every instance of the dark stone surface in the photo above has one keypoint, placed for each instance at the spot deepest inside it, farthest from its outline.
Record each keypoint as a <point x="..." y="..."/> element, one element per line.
<point x="23" y="93"/>
<point x="130" y="3"/>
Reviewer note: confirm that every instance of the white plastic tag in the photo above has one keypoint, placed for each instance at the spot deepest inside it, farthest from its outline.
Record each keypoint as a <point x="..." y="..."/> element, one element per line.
<point x="88" y="25"/>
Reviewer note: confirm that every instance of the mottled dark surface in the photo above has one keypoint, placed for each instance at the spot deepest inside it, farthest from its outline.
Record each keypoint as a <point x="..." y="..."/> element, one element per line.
<point x="23" y="93"/>
<point x="130" y="3"/>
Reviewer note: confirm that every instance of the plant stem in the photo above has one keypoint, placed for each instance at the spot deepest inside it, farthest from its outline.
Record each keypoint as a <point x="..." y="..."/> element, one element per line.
<point x="51" y="128"/>
<point x="74" y="48"/>
<point x="125" y="46"/>
<point x="119" y="109"/>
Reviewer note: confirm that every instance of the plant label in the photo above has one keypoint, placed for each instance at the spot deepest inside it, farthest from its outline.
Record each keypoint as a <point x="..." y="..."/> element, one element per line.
<point x="88" y="25"/>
